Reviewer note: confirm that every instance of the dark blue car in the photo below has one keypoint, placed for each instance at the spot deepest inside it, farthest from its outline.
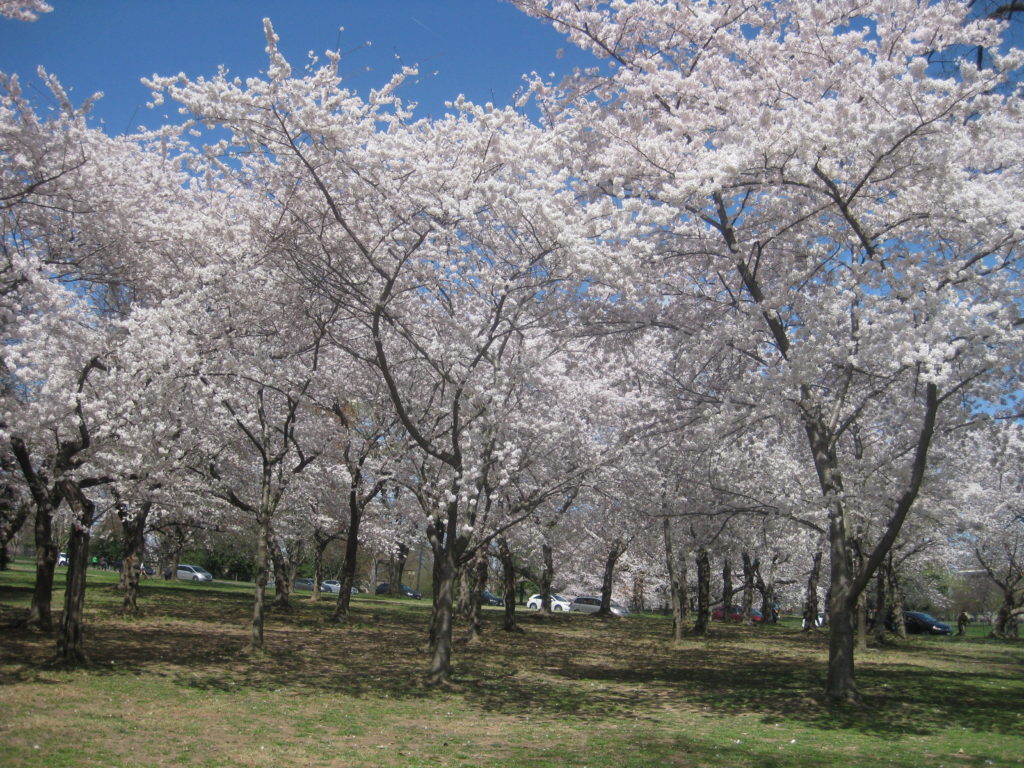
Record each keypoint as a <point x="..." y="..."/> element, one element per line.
<point x="407" y="591"/>
<point x="918" y="623"/>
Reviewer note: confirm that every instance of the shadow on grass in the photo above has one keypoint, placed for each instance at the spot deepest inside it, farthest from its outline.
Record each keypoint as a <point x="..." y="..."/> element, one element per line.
<point x="563" y="666"/>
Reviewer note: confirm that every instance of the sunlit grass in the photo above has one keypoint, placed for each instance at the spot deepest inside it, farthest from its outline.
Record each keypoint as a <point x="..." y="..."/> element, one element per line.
<point x="173" y="688"/>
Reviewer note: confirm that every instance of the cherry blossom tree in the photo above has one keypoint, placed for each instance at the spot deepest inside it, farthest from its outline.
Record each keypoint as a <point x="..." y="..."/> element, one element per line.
<point x="432" y="247"/>
<point x="981" y="491"/>
<point x="75" y="250"/>
<point x="840" y="216"/>
<point x="24" y="10"/>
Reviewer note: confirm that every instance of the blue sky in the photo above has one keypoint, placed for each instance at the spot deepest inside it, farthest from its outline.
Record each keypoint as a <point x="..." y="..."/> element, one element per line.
<point x="479" y="48"/>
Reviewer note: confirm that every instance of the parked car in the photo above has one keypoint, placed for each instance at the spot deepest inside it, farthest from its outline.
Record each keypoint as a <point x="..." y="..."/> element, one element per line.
<point x="558" y="603"/>
<point x="488" y="598"/>
<point x="735" y="614"/>
<point x="193" y="573"/>
<point x="919" y="623"/>
<point x="304" y="584"/>
<point x="407" y="591"/>
<point x="590" y="604"/>
<point x="333" y="585"/>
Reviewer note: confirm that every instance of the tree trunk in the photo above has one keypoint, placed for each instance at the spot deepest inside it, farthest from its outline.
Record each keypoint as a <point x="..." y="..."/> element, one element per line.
<point x="134" y="548"/>
<point x="320" y="542"/>
<point x="70" y="640"/>
<point x="348" y="570"/>
<point x="882" y="610"/>
<point x="896" y="601"/>
<point x="840" y="684"/>
<point x="617" y="548"/>
<point x="441" y="627"/>
<point x="637" y="596"/>
<point x="726" y="584"/>
<point x="676" y="584"/>
<point x="862" y="623"/>
<point x="342" y="606"/>
<point x="700" y="626"/>
<point x="546" y="575"/>
<point x="397" y="570"/>
<point x="46" y="501"/>
<point x="748" y="588"/>
<point x="12" y="518"/>
<point x="40" y="613"/>
<point x="70" y="635"/>
<point x="282" y="577"/>
<point x="258" y="608"/>
<point x="508" y="570"/>
<point x="811" y="596"/>
<point x="473" y="596"/>
<point x="767" y="590"/>
<point x="1006" y="625"/>
<point x="847" y="584"/>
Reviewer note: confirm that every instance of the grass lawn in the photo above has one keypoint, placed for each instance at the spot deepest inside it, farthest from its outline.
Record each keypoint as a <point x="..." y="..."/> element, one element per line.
<point x="174" y="689"/>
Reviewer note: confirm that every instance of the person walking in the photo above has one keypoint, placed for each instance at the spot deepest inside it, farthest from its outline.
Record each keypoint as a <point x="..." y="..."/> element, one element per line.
<point x="961" y="623"/>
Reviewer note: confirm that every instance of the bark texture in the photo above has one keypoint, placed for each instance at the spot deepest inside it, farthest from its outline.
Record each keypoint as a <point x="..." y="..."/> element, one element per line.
<point x="700" y="626"/>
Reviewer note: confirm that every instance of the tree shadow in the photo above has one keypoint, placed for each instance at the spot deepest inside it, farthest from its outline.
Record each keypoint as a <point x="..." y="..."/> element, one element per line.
<point x="562" y="666"/>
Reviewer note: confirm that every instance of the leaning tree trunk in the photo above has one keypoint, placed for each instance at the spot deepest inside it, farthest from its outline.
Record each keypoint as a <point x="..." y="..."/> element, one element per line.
<point x="348" y="572"/>
<point x="811" y="596"/>
<point x="607" y="582"/>
<point x="348" y="567"/>
<point x="700" y="626"/>
<point x="70" y="634"/>
<point x="847" y="585"/>
<point x="508" y="570"/>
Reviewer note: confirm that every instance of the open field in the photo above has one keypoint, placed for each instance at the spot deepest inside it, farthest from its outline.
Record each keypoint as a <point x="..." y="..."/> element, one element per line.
<point x="174" y="689"/>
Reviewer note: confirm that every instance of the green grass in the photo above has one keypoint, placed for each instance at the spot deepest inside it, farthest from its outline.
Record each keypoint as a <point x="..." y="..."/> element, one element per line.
<point x="174" y="688"/>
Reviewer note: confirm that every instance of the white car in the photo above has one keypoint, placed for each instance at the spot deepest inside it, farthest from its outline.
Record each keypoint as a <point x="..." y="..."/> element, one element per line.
<point x="592" y="604"/>
<point x="558" y="603"/>
<point x="193" y="573"/>
<point x="333" y="585"/>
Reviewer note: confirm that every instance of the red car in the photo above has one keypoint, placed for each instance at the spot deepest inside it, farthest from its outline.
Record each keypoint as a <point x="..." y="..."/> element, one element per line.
<point x="735" y="613"/>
